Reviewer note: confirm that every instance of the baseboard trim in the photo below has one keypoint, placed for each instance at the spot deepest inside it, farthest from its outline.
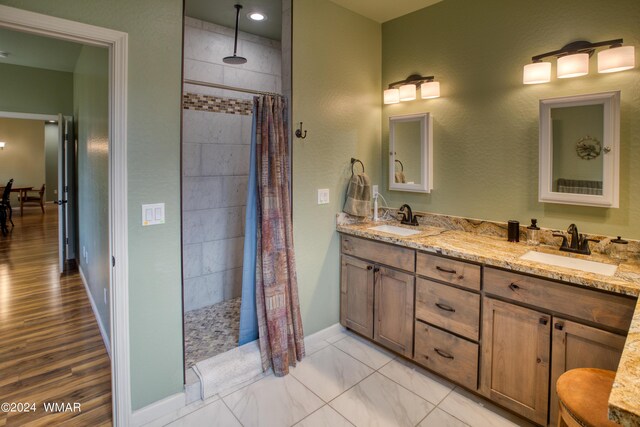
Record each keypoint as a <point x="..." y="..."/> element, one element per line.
<point x="103" y="332"/>
<point x="158" y="409"/>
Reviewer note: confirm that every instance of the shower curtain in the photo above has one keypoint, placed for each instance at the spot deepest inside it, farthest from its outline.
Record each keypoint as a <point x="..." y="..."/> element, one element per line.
<point x="274" y="281"/>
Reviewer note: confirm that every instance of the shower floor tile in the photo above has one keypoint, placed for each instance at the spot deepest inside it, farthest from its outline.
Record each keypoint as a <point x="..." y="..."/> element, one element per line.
<point x="211" y="330"/>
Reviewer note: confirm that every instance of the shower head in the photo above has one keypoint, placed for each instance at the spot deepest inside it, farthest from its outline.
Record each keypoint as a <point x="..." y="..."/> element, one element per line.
<point x="235" y="59"/>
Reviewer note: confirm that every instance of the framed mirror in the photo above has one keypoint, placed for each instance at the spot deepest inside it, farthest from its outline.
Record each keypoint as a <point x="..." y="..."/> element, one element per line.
<point x="579" y="150"/>
<point x="411" y="153"/>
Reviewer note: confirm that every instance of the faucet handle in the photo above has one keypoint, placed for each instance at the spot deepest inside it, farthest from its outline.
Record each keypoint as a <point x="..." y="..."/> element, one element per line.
<point x="564" y="239"/>
<point x="584" y="244"/>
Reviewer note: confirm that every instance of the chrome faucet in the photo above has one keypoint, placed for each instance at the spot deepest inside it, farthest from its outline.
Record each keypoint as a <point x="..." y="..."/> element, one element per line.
<point x="578" y="244"/>
<point x="408" y="218"/>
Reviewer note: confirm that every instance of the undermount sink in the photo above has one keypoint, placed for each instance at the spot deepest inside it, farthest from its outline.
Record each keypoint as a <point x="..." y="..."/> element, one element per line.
<point x="392" y="229"/>
<point x="573" y="263"/>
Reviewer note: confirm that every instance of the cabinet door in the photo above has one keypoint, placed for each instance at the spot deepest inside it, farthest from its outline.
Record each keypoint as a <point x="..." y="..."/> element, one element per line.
<point x="579" y="346"/>
<point x="516" y="344"/>
<point x="356" y="296"/>
<point x="394" y="310"/>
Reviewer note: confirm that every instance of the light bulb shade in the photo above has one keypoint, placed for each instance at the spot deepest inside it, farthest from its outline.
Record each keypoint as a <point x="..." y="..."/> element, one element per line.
<point x="407" y="92"/>
<point x="2" y="145"/>
<point x="430" y="90"/>
<point x="538" y="72"/>
<point x="616" y="59"/>
<point x="391" y="96"/>
<point x="575" y="65"/>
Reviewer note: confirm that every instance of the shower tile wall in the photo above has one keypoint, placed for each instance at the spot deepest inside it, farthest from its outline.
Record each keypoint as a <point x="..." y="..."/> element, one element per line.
<point x="216" y="159"/>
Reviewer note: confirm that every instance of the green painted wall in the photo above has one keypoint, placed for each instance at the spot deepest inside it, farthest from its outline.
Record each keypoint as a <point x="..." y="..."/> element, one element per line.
<point x="91" y="121"/>
<point x="155" y="45"/>
<point x="486" y="122"/>
<point x="34" y="90"/>
<point x="336" y="93"/>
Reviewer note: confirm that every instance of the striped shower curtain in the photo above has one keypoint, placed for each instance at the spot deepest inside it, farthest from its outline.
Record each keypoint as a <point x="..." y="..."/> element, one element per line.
<point x="279" y="322"/>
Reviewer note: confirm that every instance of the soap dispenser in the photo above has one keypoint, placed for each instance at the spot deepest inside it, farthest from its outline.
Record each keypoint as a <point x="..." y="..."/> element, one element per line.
<point x="619" y="248"/>
<point x="533" y="233"/>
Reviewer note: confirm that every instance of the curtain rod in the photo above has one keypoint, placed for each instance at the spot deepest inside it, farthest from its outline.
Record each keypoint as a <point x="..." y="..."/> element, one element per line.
<point x="220" y="86"/>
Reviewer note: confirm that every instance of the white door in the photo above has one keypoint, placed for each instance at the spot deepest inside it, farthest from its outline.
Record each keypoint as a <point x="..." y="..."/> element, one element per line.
<point x="66" y="196"/>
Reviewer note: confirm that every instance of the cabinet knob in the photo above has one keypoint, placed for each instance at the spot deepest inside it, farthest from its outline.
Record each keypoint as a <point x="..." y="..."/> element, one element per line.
<point x="544" y="320"/>
<point x="559" y="326"/>
<point x="538" y="360"/>
<point x="514" y="287"/>
<point x="369" y="267"/>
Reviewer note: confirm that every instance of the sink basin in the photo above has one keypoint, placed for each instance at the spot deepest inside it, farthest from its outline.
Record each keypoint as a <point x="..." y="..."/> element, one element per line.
<point x="573" y="263"/>
<point x="392" y="229"/>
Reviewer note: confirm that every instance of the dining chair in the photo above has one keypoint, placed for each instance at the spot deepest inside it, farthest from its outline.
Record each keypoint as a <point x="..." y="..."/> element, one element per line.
<point x="33" y="199"/>
<point x="5" y="202"/>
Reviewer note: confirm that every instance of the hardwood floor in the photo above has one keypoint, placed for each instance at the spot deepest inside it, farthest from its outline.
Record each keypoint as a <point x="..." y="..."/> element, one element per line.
<point x="51" y="350"/>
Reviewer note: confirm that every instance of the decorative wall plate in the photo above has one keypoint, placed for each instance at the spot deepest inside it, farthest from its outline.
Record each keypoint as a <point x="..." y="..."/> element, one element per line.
<point x="588" y="148"/>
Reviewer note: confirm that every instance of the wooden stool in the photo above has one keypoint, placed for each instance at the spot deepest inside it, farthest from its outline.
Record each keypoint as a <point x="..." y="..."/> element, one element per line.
<point x="583" y="394"/>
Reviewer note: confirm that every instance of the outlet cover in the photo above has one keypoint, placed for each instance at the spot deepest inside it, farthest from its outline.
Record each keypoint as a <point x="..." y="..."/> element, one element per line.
<point x="323" y="196"/>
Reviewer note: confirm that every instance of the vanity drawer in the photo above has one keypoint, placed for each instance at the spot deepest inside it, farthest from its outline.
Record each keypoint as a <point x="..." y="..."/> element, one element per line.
<point x="448" y="270"/>
<point x="453" y="357"/>
<point x="450" y="308"/>
<point x="603" y="308"/>
<point x="381" y="253"/>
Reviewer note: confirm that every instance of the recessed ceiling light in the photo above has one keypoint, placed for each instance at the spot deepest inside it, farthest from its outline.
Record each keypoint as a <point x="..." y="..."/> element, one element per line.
<point x="257" y="16"/>
<point x="4" y="54"/>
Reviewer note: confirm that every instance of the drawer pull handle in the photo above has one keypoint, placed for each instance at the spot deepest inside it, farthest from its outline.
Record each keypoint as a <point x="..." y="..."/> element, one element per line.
<point x="514" y="287"/>
<point x="445" y="307"/>
<point x="369" y="267"/>
<point x="559" y="326"/>
<point x="445" y="270"/>
<point x="443" y="354"/>
<point x="544" y="320"/>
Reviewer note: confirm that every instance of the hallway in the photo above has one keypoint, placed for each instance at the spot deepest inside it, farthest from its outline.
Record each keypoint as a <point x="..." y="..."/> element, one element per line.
<point x="51" y="349"/>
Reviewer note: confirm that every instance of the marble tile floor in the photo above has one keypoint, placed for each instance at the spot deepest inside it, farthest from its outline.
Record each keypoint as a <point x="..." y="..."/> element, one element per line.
<point x="345" y="381"/>
<point x="211" y="330"/>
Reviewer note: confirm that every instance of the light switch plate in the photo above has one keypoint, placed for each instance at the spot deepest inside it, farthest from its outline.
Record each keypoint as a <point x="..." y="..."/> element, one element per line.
<point x="153" y="214"/>
<point x="323" y="196"/>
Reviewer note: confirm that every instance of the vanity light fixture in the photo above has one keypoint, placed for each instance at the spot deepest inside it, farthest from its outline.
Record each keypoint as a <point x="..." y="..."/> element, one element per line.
<point x="2" y="145"/>
<point x="405" y="90"/>
<point x="573" y="61"/>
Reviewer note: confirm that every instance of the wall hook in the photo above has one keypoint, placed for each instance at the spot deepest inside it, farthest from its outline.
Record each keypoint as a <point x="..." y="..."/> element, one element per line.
<point x="299" y="132"/>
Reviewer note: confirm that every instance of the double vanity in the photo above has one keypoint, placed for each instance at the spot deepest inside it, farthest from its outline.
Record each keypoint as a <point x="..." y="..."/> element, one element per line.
<point x="501" y="319"/>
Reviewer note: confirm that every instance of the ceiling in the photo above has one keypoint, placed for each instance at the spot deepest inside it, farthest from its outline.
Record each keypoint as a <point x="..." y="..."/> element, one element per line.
<point x="37" y="51"/>
<point x="222" y="12"/>
<point x="384" y="10"/>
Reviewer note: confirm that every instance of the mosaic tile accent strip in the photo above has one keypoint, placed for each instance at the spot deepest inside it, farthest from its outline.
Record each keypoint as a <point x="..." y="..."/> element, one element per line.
<point x="211" y="330"/>
<point x="216" y="104"/>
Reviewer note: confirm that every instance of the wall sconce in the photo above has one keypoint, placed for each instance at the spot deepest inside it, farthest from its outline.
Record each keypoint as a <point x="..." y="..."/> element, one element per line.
<point x="573" y="61"/>
<point x="405" y="90"/>
<point x="2" y="145"/>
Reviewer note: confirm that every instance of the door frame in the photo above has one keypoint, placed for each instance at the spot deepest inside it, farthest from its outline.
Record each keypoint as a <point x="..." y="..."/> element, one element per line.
<point x="117" y="44"/>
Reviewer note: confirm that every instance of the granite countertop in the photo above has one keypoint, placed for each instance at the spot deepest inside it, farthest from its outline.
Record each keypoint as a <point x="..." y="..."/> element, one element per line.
<point x="493" y="250"/>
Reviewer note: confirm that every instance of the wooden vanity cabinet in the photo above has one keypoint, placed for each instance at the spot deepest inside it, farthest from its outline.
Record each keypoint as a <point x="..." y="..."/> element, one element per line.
<point x="515" y="358"/>
<point x="394" y="310"/>
<point x="356" y="295"/>
<point x="377" y="301"/>
<point x="575" y="345"/>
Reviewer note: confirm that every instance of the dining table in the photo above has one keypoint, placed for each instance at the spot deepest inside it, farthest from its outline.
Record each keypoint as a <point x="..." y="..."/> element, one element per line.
<point x="22" y="191"/>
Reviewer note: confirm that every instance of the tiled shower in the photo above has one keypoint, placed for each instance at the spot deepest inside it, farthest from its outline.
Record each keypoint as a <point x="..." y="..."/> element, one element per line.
<point x="215" y="151"/>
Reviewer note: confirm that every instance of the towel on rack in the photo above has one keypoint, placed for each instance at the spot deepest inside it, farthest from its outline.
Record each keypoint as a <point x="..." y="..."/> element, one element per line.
<point x="358" y="201"/>
<point x="400" y="178"/>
